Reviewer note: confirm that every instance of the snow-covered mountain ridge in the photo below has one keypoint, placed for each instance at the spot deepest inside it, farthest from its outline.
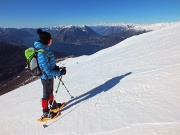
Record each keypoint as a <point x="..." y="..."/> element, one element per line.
<point x="131" y="88"/>
<point x="150" y="27"/>
<point x="106" y="29"/>
<point x="127" y="26"/>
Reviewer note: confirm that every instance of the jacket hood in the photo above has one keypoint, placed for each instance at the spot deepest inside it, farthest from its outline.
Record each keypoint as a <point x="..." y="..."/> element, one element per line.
<point x="39" y="45"/>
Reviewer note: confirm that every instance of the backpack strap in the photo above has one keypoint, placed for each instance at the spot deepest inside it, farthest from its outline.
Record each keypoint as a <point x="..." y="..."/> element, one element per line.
<point x="42" y="50"/>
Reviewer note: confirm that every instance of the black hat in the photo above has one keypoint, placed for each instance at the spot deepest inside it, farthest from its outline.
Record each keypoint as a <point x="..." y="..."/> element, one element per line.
<point x="44" y="36"/>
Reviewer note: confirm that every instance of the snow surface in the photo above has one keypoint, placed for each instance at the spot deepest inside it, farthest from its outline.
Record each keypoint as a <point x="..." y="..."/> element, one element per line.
<point x="132" y="88"/>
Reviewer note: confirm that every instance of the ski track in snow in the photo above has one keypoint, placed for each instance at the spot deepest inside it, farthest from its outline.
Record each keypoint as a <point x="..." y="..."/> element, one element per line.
<point x="131" y="88"/>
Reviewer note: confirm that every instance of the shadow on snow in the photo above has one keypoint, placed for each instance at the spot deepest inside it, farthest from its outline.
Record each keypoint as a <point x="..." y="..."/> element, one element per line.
<point x="102" y="88"/>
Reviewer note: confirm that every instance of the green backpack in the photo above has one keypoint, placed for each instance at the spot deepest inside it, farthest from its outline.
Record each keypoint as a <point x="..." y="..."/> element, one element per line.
<point x="32" y="62"/>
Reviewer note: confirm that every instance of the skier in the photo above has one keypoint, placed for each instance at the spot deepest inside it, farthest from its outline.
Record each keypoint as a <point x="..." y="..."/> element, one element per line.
<point x="49" y="70"/>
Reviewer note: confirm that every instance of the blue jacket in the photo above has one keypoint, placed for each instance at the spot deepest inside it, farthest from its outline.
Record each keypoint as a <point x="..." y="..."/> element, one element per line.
<point x="45" y="64"/>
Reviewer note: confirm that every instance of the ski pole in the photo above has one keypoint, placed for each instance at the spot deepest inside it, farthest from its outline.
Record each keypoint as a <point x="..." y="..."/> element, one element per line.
<point x="66" y="88"/>
<point x="58" y="84"/>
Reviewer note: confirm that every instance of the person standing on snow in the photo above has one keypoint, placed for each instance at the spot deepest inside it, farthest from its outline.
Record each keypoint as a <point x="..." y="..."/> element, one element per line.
<point x="49" y="69"/>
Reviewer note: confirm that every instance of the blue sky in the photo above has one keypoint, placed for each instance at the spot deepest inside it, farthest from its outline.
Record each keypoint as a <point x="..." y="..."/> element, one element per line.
<point x="47" y="13"/>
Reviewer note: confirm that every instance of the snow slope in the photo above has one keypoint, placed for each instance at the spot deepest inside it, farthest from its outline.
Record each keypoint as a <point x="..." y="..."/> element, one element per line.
<point x="132" y="88"/>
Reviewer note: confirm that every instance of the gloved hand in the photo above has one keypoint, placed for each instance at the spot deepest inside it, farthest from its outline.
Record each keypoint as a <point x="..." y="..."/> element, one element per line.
<point x="56" y="67"/>
<point x="62" y="70"/>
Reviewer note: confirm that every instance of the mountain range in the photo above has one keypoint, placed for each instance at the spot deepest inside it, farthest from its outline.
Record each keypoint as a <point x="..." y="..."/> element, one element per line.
<point x="79" y="40"/>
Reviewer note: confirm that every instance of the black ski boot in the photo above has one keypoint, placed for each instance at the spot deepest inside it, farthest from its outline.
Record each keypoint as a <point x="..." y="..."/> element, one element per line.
<point x="57" y="106"/>
<point x="49" y="116"/>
